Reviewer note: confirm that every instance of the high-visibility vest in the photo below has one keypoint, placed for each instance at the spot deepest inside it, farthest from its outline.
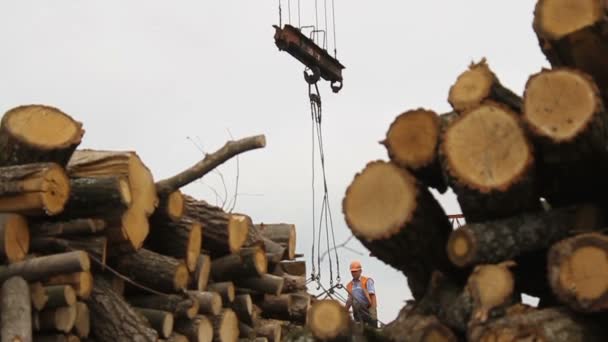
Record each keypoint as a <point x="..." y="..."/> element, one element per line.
<point x="363" y="281"/>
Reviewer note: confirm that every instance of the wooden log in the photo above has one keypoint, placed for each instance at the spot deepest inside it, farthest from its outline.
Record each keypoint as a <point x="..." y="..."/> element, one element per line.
<point x="112" y="319"/>
<point x="418" y="328"/>
<point x="225" y="326"/>
<point x="211" y="161"/>
<point x="176" y="337"/>
<point x="201" y="273"/>
<point x="82" y="282"/>
<point x="243" y="308"/>
<point x="294" y="268"/>
<point x="574" y="36"/>
<point x="86" y="226"/>
<point x="160" y="272"/>
<point x="410" y="234"/>
<point x="569" y="135"/>
<point x="246" y="332"/>
<point x="43" y="267"/>
<point x="490" y="180"/>
<point x="14" y="237"/>
<point x="328" y="319"/>
<point x="82" y="326"/>
<point x="248" y="262"/>
<point x="504" y="239"/>
<point x="293" y="283"/>
<point x="554" y="324"/>
<point x="179" y="306"/>
<point x="277" y="307"/>
<point x="181" y="240"/>
<point x="479" y="84"/>
<point x="275" y="252"/>
<point x="95" y="196"/>
<point x="224" y="233"/>
<point x="16" y="319"/>
<point x="55" y="338"/>
<point x="33" y="189"/>
<point x="225" y="289"/>
<point x="269" y="328"/>
<point x="267" y="283"/>
<point x="37" y="133"/>
<point x="578" y="272"/>
<point x="59" y="296"/>
<point x="95" y="246"/>
<point x="127" y="230"/>
<point x="58" y="319"/>
<point x="199" y="329"/>
<point x="210" y="303"/>
<point x="412" y="142"/>
<point x="161" y="321"/>
<point x="38" y="295"/>
<point x="282" y="233"/>
<point x="300" y="303"/>
<point x="171" y="207"/>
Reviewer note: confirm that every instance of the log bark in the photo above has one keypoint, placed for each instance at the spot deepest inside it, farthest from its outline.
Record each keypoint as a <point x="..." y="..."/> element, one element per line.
<point x="491" y="180"/>
<point x="248" y="262"/>
<point x="267" y="283"/>
<point x="59" y="296"/>
<point x="180" y="306"/>
<point x="412" y="142"/>
<point x="36" y="133"/>
<point x="199" y="329"/>
<point x="578" y="272"/>
<point x="202" y="272"/>
<point x="418" y="328"/>
<point x="95" y="246"/>
<point x="159" y="272"/>
<point x="225" y="289"/>
<point x="161" y="321"/>
<point x="329" y="320"/>
<point x="81" y="282"/>
<point x="300" y="303"/>
<point x="574" y="36"/>
<point x="211" y="161"/>
<point x="224" y="233"/>
<point x="96" y="196"/>
<point x="14" y="237"/>
<point x="294" y="268"/>
<point x="176" y="337"/>
<point x="243" y="308"/>
<point x="82" y="326"/>
<point x="570" y="135"/>
<point x="181" y="240"/>
<point x="275" y="252"/>
<point x="86" y="226"/>
<point x="225" y="326"/>
<point x="293" y="284"/>
<point x="411" y="234"/>
<point x="16" y="321"/>
<point x="277" y="307"/>
<point x="504" y="239"/>
<point x="112" y="319"/>
<point x="479" y="84"/>
<point x="57" y="319"/>
<point x="269" y="328"/>
<point x="555" y="324"/>
<point x="171" y="208"/>
<point x="33" y="189"/>
<point x="246" y="332"/>
<point x="281" y="233"/>
<point x="210" y="303"/>
<point x="43" y="267"/>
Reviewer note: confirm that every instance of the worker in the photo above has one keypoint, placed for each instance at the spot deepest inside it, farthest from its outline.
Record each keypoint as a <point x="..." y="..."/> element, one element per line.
<point x="362" y="296"/>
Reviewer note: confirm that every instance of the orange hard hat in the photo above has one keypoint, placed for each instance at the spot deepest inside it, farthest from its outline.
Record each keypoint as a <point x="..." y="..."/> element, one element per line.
<point x="355" y="266"/>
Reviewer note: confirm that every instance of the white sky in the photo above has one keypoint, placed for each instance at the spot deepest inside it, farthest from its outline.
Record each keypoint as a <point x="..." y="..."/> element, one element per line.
<point x="146" y="75"/>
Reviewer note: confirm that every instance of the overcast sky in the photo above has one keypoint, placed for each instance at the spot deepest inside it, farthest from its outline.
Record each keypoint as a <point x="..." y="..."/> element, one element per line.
<point x="156" y="76"/>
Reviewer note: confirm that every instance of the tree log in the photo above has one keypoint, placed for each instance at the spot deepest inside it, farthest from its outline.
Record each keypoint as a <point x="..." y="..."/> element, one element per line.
<point x="199" y="329"/>
<point x="59" y="296"/>
<point x="112" y="319"/>
<point x="225" y="289"/>
<point x="43" y="267"/>
<point x="14" y="237"/>
<point x="267" y="283"/>
<point x="243" y="308"/>
<point x="38" y="295"/>
<point x="275" y="252"/>
<point x="277" y="307"/>
<point x="171" y="207"/>
<point x="211" y="161"/>
<point x="81" y="282"/>
<point x="246" y="332"/>
<point x="293" y="284"/>
<point x="210" y="303"/>
<point x="33" y="189"/>
<point x="160" y="272"/>
<point x="294" y="268"/>
<point x="570" y="135"/>
<point x="82" y="326"/>
<point x="95" y="196"/>
<point x="282" y="233"/>
<point x="412" y="142"/>
<point x="410" y="234"/>
<point x="479" y="84"/>
<point x="578" y="272"/>
<point x="180" y="306"/>
<point x="418" y="328"/>
<point x="328" y="319"/>
<point x="56" y="338"/>
<point x="95" y="246"/>
<point x="181" y="240"/>
<point x="225" y="326"/>
<point x="16" y="324"/>
<point x="58" y="319"/>
<point x="300" y="303"/>
<point x="161" y="321"/>
<point x="574" y="36"/>
<point x="202" y="272"/>
<point x="36" y="133"/>
<point x="224" y="233"/>
<point x="505" y="239"/>
<point x="248" y="262"/>
<point x="72" y="227"/>
<point x="177" y="337"/>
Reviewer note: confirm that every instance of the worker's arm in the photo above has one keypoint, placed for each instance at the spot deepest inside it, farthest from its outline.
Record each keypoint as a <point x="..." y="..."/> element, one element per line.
<point x="371" y="290"/>
<point x="349" y="302"/>
<point x="372" y="296"/>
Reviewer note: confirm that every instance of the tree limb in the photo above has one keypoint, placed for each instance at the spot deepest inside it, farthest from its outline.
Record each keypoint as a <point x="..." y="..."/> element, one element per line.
<point x="211" y="161"/>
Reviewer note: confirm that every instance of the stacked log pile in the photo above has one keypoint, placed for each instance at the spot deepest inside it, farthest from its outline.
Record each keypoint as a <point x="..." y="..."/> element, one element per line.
<point x="529" y="175"/>
<point x="93" y="249"/>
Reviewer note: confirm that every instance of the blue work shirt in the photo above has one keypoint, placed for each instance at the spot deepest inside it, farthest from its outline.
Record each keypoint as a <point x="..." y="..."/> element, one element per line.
<point x="359" y="294"/>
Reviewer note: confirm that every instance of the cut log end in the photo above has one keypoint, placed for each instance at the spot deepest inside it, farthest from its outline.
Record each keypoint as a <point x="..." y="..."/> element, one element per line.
<point x="327" y="319"/>
<point x="364" y="204"/>
<point x="134" y="228"/>
<point x="238" y="228"/>
<point x="491" y="286"/>
<point x="43" y="126"/>
<point x="175" y="206"/>
<point x="229" y="326"/>
<point x="557" y="18"/>
<point x="195" y="239"/>
<point x="461" y="247"/>
<point x="411" y="140"/>
<point x="16" y="237"/>
<point x="471" y="87"/>
<point x="205" y="329"/>
<point x="473" y="156"/>
<point x="55" y="189"/>
<point x="560" y="104"/>
<point x="181" y="277"/>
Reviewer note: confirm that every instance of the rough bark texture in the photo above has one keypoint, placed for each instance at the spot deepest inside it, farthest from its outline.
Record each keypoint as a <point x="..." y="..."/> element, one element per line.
<point x="95" y="246"/>
<point x="243" y="308"/>
<point x="181" y="239"/>
<point x="295" y="268"/>
<point x="179" y="306"/>
<point x="72" y="227"/>
<point x="418" y="328"/>
<point x="43" y="267"/>
<point x="267" y="283"/>
<point x="16" y="324"/>
<point x="281" y="233"/>
<point x="96" y="196"/>
<point x="154" y="270"/>
<point x="112" y="319"/>
<point x="293" y="284"/>
<point x="209" y="302"/>
<point x="161" y="321"/>
<point x="248" y="262"/>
